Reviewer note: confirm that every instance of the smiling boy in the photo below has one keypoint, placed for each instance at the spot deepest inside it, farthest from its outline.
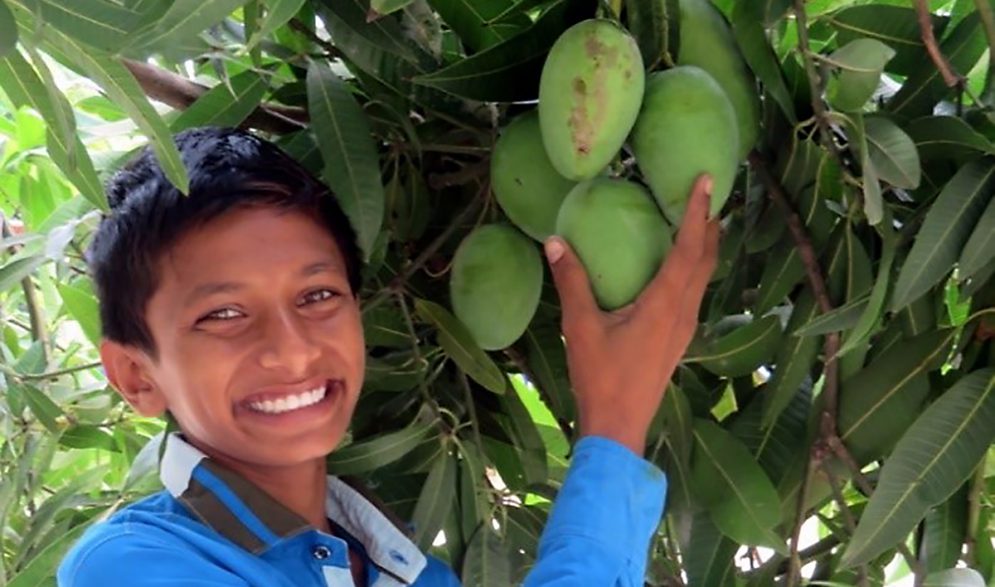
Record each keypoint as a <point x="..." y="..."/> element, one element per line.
<point x="236" y="309"/>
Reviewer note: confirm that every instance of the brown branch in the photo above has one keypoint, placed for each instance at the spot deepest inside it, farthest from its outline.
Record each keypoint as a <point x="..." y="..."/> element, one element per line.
<point x="950" y="77"/>
<point x="179" y="92"/>
<point x="831" y="347"/>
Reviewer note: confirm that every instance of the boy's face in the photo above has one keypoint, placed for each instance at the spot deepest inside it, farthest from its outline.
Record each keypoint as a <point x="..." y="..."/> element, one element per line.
<point x="252" y="309"/>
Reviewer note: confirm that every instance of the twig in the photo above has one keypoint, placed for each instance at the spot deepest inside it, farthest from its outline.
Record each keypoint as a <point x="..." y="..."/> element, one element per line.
<point x="299" y="26"/>
<point x="847" y="515"/>
<point x="179" y="92"/>
<point x="36" y="316"/>
<point x="815" y="84"/>
<point x="794" y="559"/>
<point x="438" y="181"/>
<point x="397" y="283"/>
<point x="49" y="374"/>
<point x="951" y="78"/>
<point x="974" y="513"/>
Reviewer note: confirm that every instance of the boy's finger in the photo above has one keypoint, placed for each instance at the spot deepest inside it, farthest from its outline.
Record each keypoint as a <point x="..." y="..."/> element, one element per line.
<point x="666" y="291"/>
<point x="576" y="298"/>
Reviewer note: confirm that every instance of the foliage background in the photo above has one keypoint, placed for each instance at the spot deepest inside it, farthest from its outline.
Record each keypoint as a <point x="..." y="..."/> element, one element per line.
<point x="865" y="216"/>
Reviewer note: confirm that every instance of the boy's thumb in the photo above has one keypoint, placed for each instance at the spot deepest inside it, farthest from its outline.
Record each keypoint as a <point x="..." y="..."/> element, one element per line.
<point x="570" y="278"/>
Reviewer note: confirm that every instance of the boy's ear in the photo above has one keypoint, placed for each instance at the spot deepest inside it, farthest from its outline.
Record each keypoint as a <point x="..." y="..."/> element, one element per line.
<point x="127" y="373"/>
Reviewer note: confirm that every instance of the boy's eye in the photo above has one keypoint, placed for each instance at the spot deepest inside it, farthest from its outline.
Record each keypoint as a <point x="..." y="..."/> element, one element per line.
<point x="319" y="295"/>
<point x="222" y="314"/>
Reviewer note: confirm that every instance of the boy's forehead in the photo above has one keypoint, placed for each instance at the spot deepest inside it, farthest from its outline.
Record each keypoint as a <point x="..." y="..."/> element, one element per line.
<point x="250" y="238"/>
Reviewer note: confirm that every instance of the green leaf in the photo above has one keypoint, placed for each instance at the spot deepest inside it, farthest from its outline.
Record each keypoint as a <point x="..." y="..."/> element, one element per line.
<point x="184" y="21"/>
<point x="728" y="482"/>
<point x="709" y="558"/>
<point x="41" y="569"/>
<point x="944" y="231"/>
<point x="121" y="87"/>
<point x="8" y="30"/>
<point x="82" y="305"/>
<point x="47" y="411"/>
<point x="934" y="457"/>
<point x="472" y="21"/>
<point x="947" y="137"/>
<point x="861" y="62"/>
<point x="980" y="247"/>
<point x="522" y="429"/>
<point x="871" y="316"/>
<point x="752" y="40"/>
<point x="652" y="23"/>
<point x="924" y="86"/>
<point x="793" y="362"/>
<point x="486" y="563"/>
<point x="380" y="8"/>
<point x="955" y="578"/>
<point x="102" y="24"/>
<point x="25" y="88"/>
<point x="547" y="358"/>
<point x="278" y="13"/>
<point x="352" y="166"/>
<point x="946" y="530"/>
<point x="506" y="72"/>
<point x="371" y="454"/>
<point x="776" y="446"/>
<point x="741" y="351"/>
<point x="457" y="342"/>
<point x="895" y="26"/>
<point x="880" y="402"/>
<point x="841" y="318"/>
<point x="12" y="273"/>
<point x="435" y="501"/>
<point x="893" y="153"/>
<point x="86" y="436"/>
<point x="220" y="107"/>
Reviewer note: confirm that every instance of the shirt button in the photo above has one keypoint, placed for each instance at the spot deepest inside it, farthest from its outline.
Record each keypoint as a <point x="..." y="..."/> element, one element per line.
<point x="321" y="552"/>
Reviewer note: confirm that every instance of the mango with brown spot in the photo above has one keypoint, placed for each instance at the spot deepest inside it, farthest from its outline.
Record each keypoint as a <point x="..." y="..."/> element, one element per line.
<point x="589" y="94"/>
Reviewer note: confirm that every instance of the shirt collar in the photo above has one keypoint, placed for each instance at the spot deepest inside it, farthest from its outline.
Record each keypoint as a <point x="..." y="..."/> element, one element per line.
<point x="251" y="518"/>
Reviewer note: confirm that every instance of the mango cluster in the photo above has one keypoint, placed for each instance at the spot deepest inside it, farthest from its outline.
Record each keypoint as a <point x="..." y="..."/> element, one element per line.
<point x="552" y="168"/>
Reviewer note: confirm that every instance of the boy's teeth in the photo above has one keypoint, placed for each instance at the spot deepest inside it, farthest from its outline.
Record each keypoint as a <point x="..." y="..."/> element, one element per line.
<point x="293" y="402"/>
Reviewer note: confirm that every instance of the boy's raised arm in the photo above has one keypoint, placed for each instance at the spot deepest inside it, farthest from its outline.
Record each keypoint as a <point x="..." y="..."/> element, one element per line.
<point x="620" y="362"/>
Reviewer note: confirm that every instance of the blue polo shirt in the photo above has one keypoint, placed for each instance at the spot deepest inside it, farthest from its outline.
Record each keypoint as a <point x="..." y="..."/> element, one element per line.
<point x="211" y="527"/>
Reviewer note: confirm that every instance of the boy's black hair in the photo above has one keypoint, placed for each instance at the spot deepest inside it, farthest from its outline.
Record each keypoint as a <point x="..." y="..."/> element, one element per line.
<point x="228" y="169"/>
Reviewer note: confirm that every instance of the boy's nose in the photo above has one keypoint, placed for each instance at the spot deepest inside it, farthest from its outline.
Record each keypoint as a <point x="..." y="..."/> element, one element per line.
<point x="288" y="346"/>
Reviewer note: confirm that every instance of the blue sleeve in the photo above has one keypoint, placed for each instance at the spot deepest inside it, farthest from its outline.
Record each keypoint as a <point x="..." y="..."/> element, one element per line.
<point x="140" y="561"/>
<point x="602" y="521"/>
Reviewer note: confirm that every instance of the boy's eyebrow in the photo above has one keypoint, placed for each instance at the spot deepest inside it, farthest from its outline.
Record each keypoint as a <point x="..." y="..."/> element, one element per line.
<point x="207" y="289"/>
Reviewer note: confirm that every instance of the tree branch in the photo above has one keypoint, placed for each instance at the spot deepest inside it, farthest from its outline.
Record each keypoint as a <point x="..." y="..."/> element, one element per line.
<point x="950" y="77"/>
<point x="179" y="92"/>
<point x="831" y="347"/>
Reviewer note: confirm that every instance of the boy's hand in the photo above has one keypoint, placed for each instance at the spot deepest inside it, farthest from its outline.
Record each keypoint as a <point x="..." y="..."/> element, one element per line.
<point x="620" y="362"/>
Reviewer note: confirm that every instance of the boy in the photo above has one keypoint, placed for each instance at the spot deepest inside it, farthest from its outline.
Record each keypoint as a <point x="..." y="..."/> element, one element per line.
<point x="236" y="309"/>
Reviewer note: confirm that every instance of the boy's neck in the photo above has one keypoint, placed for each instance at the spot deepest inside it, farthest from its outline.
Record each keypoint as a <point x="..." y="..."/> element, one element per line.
<point x="301" y="487"/>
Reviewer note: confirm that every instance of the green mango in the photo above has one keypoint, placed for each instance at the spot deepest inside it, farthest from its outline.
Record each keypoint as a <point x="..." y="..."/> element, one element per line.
<point x="619" y="235"/>
<point x="707" y="41"/>
<point x="589" y="93"/>
<point x="495" y="284"/>
<point x="686" y="127"/>
<point x="525" y="183"/>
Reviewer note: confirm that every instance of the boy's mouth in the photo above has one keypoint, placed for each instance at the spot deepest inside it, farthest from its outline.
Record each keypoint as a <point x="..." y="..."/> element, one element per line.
<point x="281" y="403"/>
